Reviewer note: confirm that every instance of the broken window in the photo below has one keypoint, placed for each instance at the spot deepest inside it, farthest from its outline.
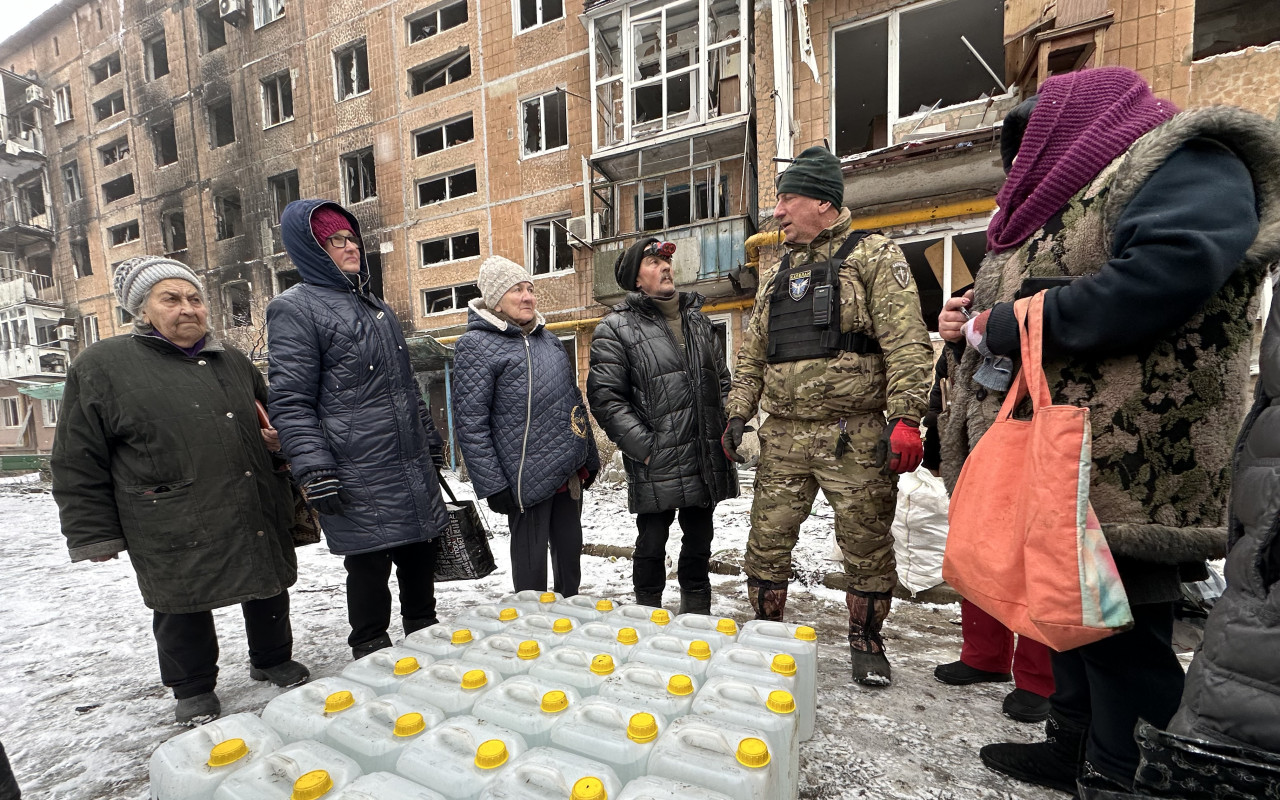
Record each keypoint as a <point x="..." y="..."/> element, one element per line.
<point x="89" y="324"/>
<point x="942" y="265"/>
<point x="666" y="64"/>
<point x="358" y="175"/>
<point x="165" y="140"/>
<point x="545" y="123"/>
<point x="105" y="68"/>
<point x="123" y="234"/>
<point x="548" y="245"/>
<point x="31" y="198"/>
<point x="117" y="150"/>
<point x="109" y="106"/>
<point x="156" y="54"/>
<point x="222" y="124"/>
<point x="539" y="12"/>
<point x="123" y="317"/>
<point x="277" y="99"/>
<point x="933" y="67"/>
<point x="81" y="263"/>
<point x="606" y="49"/>
<point x="212" y="31"/>
<point x="238" y="301"/>
<point x="429" y="23"/>
<point x="71" y="188"/>
<point x="449" y="248"/>
<point x="440" y="71"/>
<point x="173" y="229"/>
<point x="226" y="213"/>
<point x="351" y="70"/>
<point x="1223" y="26"/>
<point x="447" y="187"/>
<point x="265" y="11"/>
<point x="284" y="190"/>
<point x="449" y="298"/>
<point x="62" y="104"/>
<point x="118" y="188"/>
<point x="442" y="136"/>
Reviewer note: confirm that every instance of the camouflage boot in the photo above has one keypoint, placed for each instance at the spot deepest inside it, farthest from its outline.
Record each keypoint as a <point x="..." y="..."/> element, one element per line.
<point x="867" y="613"/>
<point x="768" y="598"/>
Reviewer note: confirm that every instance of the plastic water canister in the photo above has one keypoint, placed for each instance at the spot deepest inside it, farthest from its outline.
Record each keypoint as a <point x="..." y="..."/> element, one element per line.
<point x="581" y="669"/>
<point x="305" y="770"/>
<point x="549" y="630"/>
<point x="801" y="642"/>
<point x="529" y="706"/>
<point x="599" y="637"/>
<point x="726" y="758"/>
<point x="443" y="642"/>
<point x="618" y="735"/>
<point x="531" y="601"/>
<point x="506" y="655"/>
<point x="646" y="620"/>
<point x="307" y="711"/>
<point x="385" y="786"/>
<point x="667" y="691"/>
<point x="192" y="764"/>
<point x="460" y="757"/>
<point x="490" y="618"/>
<point x="543" y="773"/>
<point x="451" y="686"/>
<point x="385" y="670"/>
<point x="376" y="732"/>
<point x="651" y="787"/>
<point x="670" y="652"/>
<point x="767" y="670"/>
<point x="770" y="711"/>
<point x="582" y="607"/>
<point x="718" y="632"/>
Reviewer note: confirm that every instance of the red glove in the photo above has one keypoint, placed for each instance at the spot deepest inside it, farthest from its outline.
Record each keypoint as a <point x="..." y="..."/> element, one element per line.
<point x="976" y="329"/>
<point x="900" y="448"/>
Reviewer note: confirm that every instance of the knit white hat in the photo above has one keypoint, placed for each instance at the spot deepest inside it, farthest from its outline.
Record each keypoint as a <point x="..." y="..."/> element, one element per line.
<point x="497" y="275"/>
<point x="135" y="277"/>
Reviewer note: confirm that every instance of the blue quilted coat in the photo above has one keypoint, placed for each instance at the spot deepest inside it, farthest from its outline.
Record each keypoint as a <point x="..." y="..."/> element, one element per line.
<point x="517" y="409"/>
<point x="343" y="397"/>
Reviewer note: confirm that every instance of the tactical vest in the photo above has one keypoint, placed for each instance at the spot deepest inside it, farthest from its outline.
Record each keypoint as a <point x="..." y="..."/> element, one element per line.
<point x="804" y="310"/>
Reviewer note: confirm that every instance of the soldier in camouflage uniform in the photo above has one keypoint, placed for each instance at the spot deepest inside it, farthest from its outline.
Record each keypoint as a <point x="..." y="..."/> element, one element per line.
<point x="836" y="343"/>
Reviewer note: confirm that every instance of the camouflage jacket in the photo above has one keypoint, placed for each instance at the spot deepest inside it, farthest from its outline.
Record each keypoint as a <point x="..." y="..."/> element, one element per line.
<point x="877" y="297"/>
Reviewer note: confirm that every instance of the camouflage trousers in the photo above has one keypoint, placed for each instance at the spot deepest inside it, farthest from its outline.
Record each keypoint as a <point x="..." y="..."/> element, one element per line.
<point x="796" y="459"/>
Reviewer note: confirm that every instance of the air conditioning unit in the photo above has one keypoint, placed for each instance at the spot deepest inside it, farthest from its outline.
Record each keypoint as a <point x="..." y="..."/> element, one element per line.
<point x="231" y="10"/>
<point x="66" y="333"/>
<point x="35" y="94"/>
<point x="581" y="233"/>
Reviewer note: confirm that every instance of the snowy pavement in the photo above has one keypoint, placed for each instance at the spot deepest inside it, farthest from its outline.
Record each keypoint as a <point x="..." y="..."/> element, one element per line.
<point x="82" y="707"/>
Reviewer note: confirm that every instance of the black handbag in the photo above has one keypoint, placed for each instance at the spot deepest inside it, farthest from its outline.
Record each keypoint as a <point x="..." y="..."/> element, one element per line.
<point x="462" y="549"/>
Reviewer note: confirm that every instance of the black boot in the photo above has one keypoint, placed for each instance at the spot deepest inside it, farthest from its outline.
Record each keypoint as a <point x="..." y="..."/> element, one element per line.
<point x="198" y="710"/>
<point x="363" y="649"/>
<point x="867" y="613"/>
<point x="1056" y="762"/>
<point x="651" y="599"/>
<point x="1093" y="785"/>
<point x="768" y="598"/>
<point x="695" y="602"/>
<point x="411" y="625"/>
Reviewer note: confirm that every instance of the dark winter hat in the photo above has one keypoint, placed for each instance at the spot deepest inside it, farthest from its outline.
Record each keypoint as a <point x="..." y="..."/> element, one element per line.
<point x="1015" y="124"/>
<point x="626" y="270"/>
<point x="815" y="173"/>
<point x="135" y="277"/>
<point x="326" y="221"/>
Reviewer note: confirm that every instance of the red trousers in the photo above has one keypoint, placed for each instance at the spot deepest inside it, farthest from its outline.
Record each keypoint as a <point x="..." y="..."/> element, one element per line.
<point x="989" y="646"/>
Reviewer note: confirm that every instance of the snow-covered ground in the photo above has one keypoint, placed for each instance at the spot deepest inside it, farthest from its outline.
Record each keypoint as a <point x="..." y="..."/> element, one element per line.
<point x="82" y="707"/>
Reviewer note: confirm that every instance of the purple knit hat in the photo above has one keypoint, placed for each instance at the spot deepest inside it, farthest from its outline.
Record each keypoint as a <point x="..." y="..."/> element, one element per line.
<point x="326" y="221"/>
<point x="1082" y="122"/>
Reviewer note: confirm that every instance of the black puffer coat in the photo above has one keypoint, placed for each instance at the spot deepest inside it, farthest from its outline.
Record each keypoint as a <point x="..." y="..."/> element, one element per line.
<point x="655" y="404"/>
<point x="345" y="402"/>
<point x="517" y="410"/>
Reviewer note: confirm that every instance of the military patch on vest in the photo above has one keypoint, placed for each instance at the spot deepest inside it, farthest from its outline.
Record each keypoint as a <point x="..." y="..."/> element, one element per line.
<point x="800" y="282"/>
<point x="578" y="421"/>
<point x="901" y="273"/>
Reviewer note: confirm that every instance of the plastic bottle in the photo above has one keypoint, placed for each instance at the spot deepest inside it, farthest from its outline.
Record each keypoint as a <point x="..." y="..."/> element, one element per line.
<point x="385" y="670"/>
<point x="506" y="655"/>
<point x="460" y="757"/>
<point x="307" y="711"/>
<point x="666" y="691"/>
<point x="443" y="642"/>
<point x="304" y="770"/>
<point x="715" y="631"/>
<point x="385" y="786"/>
<point x="529" y="706"/>
<point x="573" y="666"/>
<point x="531" y="601"/>
<point x="599" y="637"/>
<point x="776" y="671"/>
<point x="770" y="711"/>
<point x="490" y="618"/>
<point x="549" y="630"/>
<point x="670" y="652"/>
<point x="451" y="686"/>
<point x="647" y="621"/>
<point x="582" y="607"/>
<point x="544" y="773"/>
<point x="801" y="643"/>
<point x="651" y="787"/>
<point x="726" y="758"/>
<point x="376" y="732"/>
<point x="620" y="736"/>
<point x="192" y="764"/>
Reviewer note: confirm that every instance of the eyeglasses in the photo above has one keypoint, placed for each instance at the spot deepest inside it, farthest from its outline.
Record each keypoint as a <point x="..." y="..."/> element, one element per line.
<point x="338" y="241"/>
<point x="661" y="249"/>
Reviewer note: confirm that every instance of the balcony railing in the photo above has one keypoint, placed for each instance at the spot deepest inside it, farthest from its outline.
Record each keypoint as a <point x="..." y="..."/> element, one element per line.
<point x="21" y="133"/>
<point x="18" y="287"/>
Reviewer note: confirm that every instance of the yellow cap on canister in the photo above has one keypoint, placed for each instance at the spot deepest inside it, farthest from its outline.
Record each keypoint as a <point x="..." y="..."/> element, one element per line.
<point x="628" y="636"/>
<point x="806" y="634"/>
<point x="547" y="597"/>
<point x="406" y="666"/>
<point x="642" y="728"/>
<point x="507" y="614"/>
<point x="461" y="636"/>
<point x="660" y="616"/>
<point x="680" y="685"/>
<point x="604" y="605"/>
<point x="474" y="679"/>
<point x="753" y="752"/>
<point x="555" y="701"/>
<point x="783" y="664"/>
<point x="228" y="752"/>
<point x="311" y="785"/>
<point x="490" y="754"/>
<point x="339" y="701"/>
<point x="528" y="650"/>
<point x="699" y="649"/>
<point x="410" y="724"/>
<point x="602" y="664"/>
<point x="589" y="789"/>
<point x="727" y="626"/>
<point x="562" y="625"/>
<point x="780" y="702"/>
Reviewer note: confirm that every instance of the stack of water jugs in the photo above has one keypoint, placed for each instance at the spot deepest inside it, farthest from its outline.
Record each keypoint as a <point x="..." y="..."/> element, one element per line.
<point x="535" y="698"/>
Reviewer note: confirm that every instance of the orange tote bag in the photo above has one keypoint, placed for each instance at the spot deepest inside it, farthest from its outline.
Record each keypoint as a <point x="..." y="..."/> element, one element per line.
<point x="1024" y="544"/>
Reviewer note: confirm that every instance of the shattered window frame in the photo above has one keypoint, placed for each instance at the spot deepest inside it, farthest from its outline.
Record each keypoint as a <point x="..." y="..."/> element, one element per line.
<point x="62" y="108"/>
<point x="81" y="262"/>
<point x="267" y="11"/>
<point x="284" y="190"/>
<point x="124" y="233"/>
<point x="457" y="297"/>
<point x="418" y="25"/>
<point x="109" y="106"/>
<point x="114" y="152"/>
<point x="454" y="248"/>
<point x="447" y="130"/>
<point x="105" y="68"/>
<point x="549" y="234"/>
<point x="440" y="72"/>
<point x="89" y="324"/>
<point x="173" y="232"/>
<point x="155" y="51"/>
<point x="277" y="99"/>
<point x="530" y="15"/>
<point x="452" y="185"/>
<point x="164" y="138"/>
<point x="359" y="176"/>
<point x="118" y="189"/>
<point x="213" y="31"/>
<point x="72" y="188"/>
<point x="971" y="232"/>
<point x="351" y="70"/>
<point x="222" y="122"/>
<point x="237" y="303"/>
<point x="228" y="216"/>
<point x="539" y="106"/>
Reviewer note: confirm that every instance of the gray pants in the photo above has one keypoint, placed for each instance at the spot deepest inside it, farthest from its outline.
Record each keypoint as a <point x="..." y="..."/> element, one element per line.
<point x="556" y="523"/>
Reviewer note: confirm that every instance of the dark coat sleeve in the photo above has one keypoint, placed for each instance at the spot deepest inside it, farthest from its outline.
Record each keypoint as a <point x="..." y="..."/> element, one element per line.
<point x="294" y="371"/>
<point x="609" y="390"/>
<point x="474" y="382"/>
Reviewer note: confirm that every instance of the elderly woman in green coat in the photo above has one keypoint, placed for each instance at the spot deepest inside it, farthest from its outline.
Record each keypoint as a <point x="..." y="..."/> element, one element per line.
<point x="159" y="453"/>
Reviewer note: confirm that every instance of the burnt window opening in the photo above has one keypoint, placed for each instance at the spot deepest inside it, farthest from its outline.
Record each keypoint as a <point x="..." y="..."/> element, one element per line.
<point x="173" y="230"/>
<point x="222" y="124"/>
<point x="116" y="151"/>
<point x="119" y="188"/>
<point x="286" y="279"/>
<point x="213" y="33"/>
<point x="441" y="71"/>
<point x="1224" y="26"/>
<point x="447" y="187"/>
<point x="80" y="261"/>
<point x="237" y="298"/>
<point x="448" y="298"/>
<point x="351" y="70"/>
<point x="165" y="140"/>
<point x="359" y="177"/>
<point x="109" y="106"/>
<point x="443" y="136"/>
<point x="71" y="188"/>
<point x="284" y="190"/>
<point x="105" y="68"/>
<point x="156" y="55"/>
<point x="428" y="24"/>
<point x="539" y="12"/>
<point x="123" y="234"/>
<point x="31" y="198"/>
<point x="226" y="215"/>
<point x="548" y="244"/>
<point x="450" y="248"/>
<point x="277" y="99"/>
<point x="545" y="123"/>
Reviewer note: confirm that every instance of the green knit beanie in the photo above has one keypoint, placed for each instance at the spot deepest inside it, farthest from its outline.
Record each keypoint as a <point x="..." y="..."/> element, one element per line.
<point x="815" y="173"/>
